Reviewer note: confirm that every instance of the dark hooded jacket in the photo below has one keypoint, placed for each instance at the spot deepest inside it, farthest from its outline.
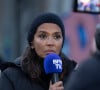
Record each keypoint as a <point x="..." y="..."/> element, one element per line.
<point x="13" y="78"/>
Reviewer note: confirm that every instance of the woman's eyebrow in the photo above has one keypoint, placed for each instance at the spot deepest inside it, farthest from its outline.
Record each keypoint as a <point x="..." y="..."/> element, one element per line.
<point x="42" y="31"/>
<point x="56" y="32"/>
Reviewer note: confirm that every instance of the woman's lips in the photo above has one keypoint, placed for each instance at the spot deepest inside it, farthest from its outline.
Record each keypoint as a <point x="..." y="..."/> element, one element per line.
<point x="50" y="51"/>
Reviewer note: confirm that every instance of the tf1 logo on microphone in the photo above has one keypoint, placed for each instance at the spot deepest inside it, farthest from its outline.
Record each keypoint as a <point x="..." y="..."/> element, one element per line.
<point x="57" y="63"/>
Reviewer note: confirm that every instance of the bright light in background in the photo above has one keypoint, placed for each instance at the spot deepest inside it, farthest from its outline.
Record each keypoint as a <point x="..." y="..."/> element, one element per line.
<point x="85" y="2"/>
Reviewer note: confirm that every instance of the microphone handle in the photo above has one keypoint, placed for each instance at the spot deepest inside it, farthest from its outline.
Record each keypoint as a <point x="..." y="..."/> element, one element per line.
<point x="55" y="78"/>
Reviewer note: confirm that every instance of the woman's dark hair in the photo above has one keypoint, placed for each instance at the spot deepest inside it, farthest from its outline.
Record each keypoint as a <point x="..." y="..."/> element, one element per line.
<point x="31" y="63"/>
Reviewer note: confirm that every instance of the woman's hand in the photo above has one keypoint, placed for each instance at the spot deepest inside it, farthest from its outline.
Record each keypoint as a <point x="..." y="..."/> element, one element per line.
<point x="56" y="86"/>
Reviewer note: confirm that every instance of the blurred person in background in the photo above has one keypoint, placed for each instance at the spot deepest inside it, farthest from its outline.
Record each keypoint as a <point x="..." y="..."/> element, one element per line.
<point x="2" y="66"/>
<point x="87" y="75"/>
<point x="46" y="35"/>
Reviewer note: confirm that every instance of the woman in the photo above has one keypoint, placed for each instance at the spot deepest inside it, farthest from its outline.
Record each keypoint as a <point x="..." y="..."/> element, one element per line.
<point x="46" y="35"/>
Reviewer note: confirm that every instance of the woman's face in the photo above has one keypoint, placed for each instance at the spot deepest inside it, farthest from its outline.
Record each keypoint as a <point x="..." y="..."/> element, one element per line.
<point x="47" y="39"/>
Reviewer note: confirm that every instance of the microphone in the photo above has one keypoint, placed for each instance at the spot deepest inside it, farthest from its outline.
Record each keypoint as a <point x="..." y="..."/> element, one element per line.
<point x="53" y="65"/>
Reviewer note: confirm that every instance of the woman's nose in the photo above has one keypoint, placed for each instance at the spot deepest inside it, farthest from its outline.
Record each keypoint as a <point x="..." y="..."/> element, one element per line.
<point x="50" y="40"/>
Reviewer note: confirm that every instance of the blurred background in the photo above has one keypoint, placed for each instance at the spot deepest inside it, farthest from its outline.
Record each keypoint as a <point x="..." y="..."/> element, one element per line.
<point x="17" y="15"/>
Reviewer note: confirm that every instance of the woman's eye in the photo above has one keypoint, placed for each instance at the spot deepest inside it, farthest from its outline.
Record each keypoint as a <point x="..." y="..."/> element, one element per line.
<point x="42" y="36"/>
<point x="57" y="36"/>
